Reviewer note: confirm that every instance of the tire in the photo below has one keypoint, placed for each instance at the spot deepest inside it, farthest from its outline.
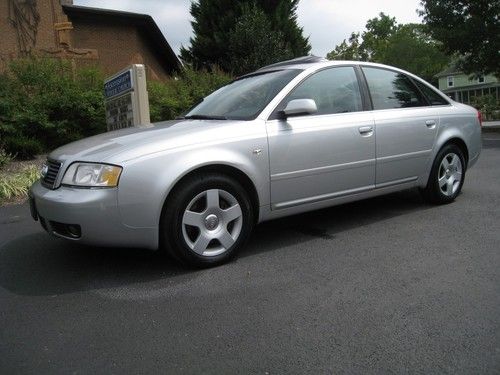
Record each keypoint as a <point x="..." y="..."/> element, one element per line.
<point x="207" y="219"/>
<point x="447" y="176"/>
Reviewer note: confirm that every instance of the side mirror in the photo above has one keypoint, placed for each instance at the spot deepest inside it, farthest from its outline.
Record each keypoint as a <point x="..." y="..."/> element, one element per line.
<point x="298" y="107"/>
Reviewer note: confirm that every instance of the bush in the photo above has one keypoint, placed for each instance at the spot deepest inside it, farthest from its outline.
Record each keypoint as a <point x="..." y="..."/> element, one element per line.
<point x="5" y="158"/>
<point x="23" y="147"/>
<point x="45" y="103"/>
<point x="487" y="104"/>
<point x="169" y="99"/>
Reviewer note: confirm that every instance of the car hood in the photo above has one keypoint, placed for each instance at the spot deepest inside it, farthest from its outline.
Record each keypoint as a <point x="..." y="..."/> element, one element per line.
<point x="124" y="144"/>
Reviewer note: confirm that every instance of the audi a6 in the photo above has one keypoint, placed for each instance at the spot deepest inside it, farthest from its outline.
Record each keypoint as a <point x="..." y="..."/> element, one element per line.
<point x="291" y="137"/>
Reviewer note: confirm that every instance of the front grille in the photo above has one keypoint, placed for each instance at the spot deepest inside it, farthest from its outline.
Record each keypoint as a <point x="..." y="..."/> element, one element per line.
<point x="49" y="180"/>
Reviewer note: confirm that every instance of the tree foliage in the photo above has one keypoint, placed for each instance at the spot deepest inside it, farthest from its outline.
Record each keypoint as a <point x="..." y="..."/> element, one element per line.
<point x="254" y="44"/>
<point x="469" y="28"/>
<point x="215" y="21"/>
<point x="406" y="46"/>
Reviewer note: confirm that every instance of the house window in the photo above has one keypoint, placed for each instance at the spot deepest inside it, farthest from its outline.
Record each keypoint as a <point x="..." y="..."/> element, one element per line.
<point x="480" y="79"/>
<point x="451" y="81"/>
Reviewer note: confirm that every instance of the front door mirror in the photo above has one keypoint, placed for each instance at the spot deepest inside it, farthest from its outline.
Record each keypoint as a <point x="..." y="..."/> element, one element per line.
<point x="298" y="107"/>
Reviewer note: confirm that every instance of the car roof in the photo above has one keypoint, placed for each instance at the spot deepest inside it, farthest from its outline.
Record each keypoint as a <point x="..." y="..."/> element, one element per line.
<point x="316" y="62"/>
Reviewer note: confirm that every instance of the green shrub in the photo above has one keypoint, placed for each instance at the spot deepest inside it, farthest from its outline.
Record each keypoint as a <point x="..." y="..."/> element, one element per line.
<point x="23" y="147"/>
<point x="487" y="104"/>
<point x="45" y="103"/>
<point x="5" y="158"/>
<point x="169" y="99"/>
<point x="17" y="185"/>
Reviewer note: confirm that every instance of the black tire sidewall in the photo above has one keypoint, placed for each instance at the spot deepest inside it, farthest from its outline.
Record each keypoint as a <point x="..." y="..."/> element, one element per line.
<point x="180" y="197"/>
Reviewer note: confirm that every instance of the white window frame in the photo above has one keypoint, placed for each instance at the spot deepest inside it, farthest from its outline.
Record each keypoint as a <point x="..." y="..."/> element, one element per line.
<point x="480" y="79"/>
<point x="450" y="81"/>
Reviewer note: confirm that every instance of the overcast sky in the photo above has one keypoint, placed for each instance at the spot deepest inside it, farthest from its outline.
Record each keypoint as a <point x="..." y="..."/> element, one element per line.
<point x="326" y="22"/>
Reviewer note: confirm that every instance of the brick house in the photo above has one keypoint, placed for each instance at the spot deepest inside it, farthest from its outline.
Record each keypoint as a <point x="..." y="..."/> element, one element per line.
<point x="108" y="39"/>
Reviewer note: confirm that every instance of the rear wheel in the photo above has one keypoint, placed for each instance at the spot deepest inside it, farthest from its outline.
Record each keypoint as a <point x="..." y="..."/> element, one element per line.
<point x="447" y="175"/>
<point x="206" y="220"/>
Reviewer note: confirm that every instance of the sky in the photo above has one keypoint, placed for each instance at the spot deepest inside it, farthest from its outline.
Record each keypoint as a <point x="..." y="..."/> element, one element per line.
<point x="325" y="22"/>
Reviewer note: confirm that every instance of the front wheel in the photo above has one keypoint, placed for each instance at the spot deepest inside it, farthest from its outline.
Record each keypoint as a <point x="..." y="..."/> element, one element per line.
<point x="447" y="176"/>
<point x="206" y="220"/>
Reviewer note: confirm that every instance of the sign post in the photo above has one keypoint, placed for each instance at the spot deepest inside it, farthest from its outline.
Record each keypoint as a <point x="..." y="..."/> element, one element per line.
<point x="126" y="98"/>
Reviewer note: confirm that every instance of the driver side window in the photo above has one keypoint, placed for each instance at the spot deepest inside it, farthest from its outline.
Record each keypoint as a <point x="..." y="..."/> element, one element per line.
<point x="335" y="90"/>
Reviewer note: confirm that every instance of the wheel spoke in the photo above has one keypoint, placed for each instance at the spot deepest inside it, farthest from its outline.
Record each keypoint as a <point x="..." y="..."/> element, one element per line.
<point x="225" y="239"/>
<point x="442" y="181"/>
<point x="445" y="163"/>
<point x="213" y="198"/>
<point x="192" y="218"/>
<point x="454" y="160"/>
<point x="201" y="243"/>
<point x="457" y="176"/>
<point x="232" y="213"/>
<point x="449" y="186"/>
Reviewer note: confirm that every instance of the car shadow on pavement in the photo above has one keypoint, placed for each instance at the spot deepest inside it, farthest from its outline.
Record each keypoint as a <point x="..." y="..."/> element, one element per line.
<point x="328" y="222"/>
<point x="36" y="264"/>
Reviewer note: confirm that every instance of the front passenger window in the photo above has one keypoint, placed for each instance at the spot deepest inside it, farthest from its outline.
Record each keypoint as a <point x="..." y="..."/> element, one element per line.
<point x="335" y="90"/>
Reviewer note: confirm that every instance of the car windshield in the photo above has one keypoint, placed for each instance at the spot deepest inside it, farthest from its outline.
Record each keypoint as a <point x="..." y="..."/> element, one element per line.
<point x="244" y="98"/>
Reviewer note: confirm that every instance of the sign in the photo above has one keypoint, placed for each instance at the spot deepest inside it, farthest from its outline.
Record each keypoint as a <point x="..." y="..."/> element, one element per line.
<point x="118" y="85"/>
<point x="126" y="97"/>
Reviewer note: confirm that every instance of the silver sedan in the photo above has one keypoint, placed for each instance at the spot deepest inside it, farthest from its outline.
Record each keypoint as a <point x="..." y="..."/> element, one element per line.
<point x="291" y="137"/>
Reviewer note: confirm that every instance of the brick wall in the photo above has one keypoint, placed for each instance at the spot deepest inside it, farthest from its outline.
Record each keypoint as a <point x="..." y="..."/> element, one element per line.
<point x="118" y="46"/>
<point x="111" y="44"/>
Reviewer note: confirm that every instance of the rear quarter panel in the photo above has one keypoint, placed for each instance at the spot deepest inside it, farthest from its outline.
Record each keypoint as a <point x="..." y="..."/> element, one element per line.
<point x="456" y="121"/>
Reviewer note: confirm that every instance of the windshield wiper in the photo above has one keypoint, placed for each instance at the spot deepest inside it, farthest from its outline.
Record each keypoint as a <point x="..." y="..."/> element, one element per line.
<point x="204" y="117"/>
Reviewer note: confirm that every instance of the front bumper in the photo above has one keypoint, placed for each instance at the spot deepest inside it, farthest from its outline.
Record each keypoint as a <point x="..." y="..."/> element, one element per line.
<point x="88" y="216"/>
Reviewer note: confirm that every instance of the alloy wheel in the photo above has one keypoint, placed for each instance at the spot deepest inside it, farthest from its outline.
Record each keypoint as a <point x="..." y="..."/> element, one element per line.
<point x="212" y="222"/>
<point x="450" y="174"/>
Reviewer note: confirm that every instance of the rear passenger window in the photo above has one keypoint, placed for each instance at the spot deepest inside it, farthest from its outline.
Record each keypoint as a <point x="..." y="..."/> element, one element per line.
<point x="390" y="89"/>
<point x="432" y="96"/>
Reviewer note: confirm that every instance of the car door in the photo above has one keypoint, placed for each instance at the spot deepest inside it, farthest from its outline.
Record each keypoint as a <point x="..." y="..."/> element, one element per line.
<point x="326" y="154"/>
<point x="406" y="126"/>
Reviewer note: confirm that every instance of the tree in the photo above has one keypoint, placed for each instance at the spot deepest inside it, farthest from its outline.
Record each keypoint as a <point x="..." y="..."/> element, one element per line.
<point x="348" y="50"/>
<point x="215" y="21"/>
<point x="254" y="44"/>
<point x="469" y="28"/>
<point x="376" y="36"/>
<point x="406" y="46"/>
<point x="410" y="48"/>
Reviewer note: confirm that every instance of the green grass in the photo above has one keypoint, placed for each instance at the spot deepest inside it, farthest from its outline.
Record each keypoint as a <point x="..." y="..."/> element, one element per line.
<point x="16" y="185"/>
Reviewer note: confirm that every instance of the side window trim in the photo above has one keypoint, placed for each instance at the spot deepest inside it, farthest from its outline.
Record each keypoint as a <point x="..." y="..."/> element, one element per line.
<point x="274" y="113"/>
<point x="365" y="91"/>
<point x="430" y="88"/>
<point x="417" y="90"/>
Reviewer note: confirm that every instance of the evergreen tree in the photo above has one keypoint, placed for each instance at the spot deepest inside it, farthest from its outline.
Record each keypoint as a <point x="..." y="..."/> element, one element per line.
<point x="254" y="44"/>
<point x="215" y="21"/>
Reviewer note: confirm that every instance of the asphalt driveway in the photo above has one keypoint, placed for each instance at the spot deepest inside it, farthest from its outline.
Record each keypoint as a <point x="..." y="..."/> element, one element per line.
<point x="386" y="285"/>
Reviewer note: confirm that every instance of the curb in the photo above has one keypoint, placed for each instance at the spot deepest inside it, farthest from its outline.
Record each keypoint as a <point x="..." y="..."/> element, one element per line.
<point x="490" y="129"/>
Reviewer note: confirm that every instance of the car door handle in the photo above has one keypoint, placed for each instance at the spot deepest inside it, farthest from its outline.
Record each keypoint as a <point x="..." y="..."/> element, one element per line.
<point x="366" y="130"/>
<point x="431" y="124"/>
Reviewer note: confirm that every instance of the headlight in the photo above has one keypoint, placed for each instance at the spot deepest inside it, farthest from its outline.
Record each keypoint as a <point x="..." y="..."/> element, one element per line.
<point x="92" y="175"/>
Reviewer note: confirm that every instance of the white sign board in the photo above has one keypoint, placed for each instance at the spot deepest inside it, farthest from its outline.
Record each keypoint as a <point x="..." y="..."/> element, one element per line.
<point x="126" y="96"/>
